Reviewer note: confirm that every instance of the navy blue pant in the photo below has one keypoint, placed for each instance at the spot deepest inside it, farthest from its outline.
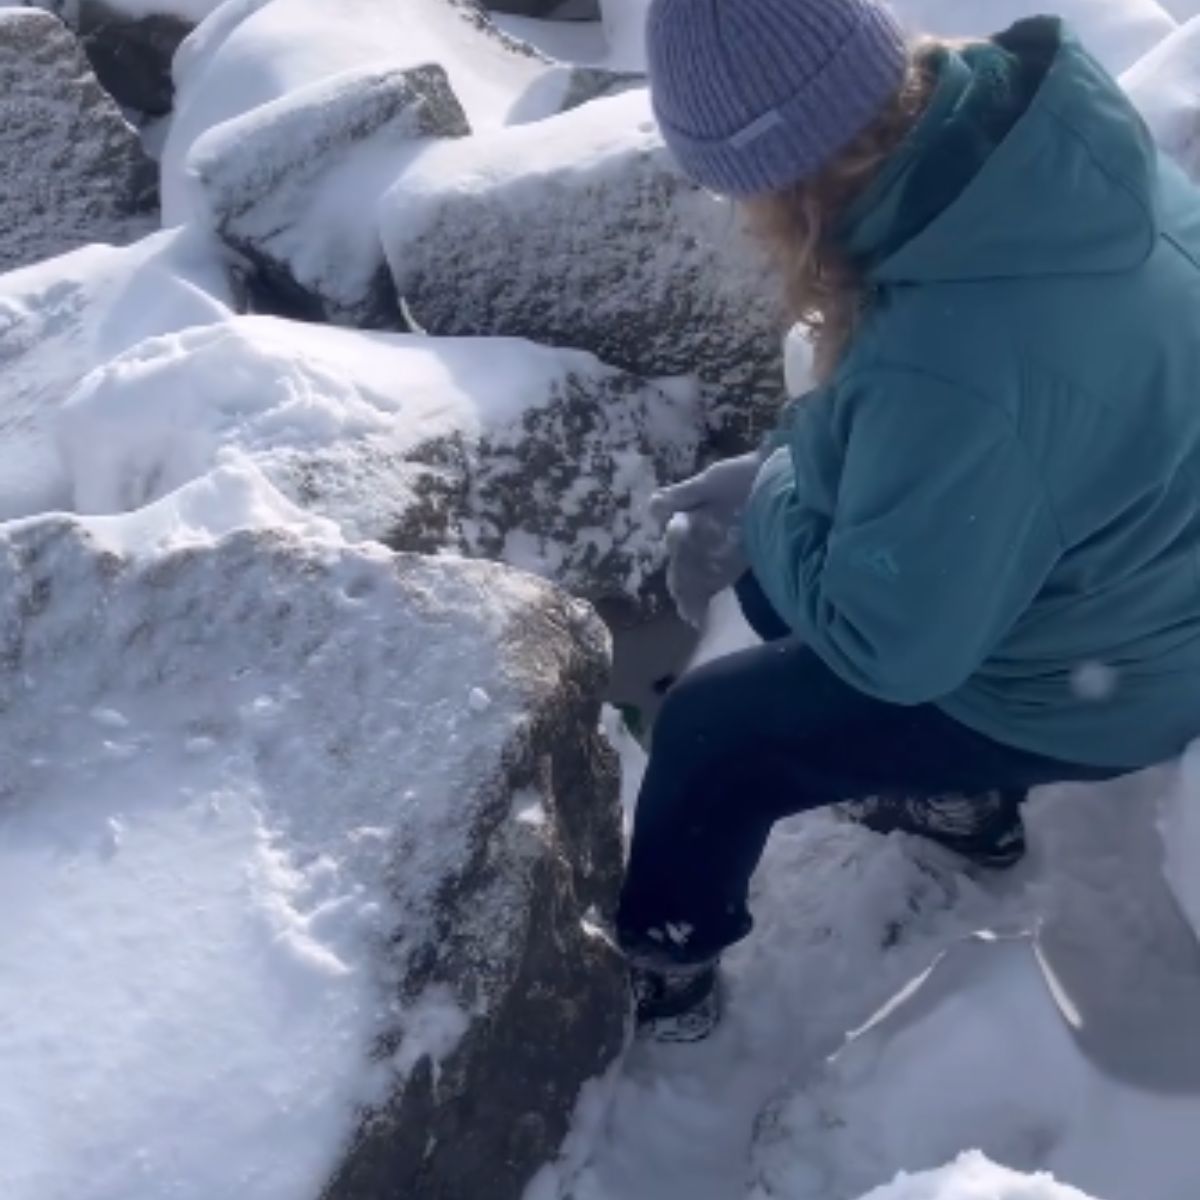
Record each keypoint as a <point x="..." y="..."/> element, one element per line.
<point x="764" y="734"/>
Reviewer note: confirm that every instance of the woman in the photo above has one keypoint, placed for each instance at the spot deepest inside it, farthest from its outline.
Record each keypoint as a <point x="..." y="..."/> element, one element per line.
<point x="975" y="544"/>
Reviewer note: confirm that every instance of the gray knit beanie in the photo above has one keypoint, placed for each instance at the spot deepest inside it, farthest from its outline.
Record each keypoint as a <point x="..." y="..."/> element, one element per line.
<point x="756" y="95"/>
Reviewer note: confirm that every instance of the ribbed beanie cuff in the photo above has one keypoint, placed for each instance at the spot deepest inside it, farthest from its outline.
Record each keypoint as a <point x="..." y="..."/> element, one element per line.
<point x="837" y="92"/>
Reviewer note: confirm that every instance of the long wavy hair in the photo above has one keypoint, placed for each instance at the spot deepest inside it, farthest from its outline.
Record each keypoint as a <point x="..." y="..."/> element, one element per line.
<point x="800" y="226"/>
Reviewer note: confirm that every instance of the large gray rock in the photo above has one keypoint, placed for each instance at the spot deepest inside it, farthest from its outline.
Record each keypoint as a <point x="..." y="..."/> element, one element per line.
<point x="493" y="448"/>
<point x="382" y="779"/>
<point x="74" y="170"/>
<point x="580" y="232"/>
<point x="290" y="188"/>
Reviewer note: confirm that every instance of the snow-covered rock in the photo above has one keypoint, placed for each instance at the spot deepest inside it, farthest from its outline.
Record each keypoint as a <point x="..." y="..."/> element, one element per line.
<point x="291" y="187"/>
<point x="64" y="317"/>
<point x="297" y="840"/>
<point x="74" y="170"/>
<point x="973" y="1177"/>
<point x="580" y="232"/>
<point x="492" y="447"/>
<point x="249" y="53"/>
<point x="1165" y="85"/>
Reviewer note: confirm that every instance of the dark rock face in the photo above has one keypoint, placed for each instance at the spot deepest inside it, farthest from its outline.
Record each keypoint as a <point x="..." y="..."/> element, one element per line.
<point x="500" y="1107"/>
<point x="525" y="8"/>
<point x="132" y="55"/>
<point x="75" y="171"/>
<point x="560" y="482"/>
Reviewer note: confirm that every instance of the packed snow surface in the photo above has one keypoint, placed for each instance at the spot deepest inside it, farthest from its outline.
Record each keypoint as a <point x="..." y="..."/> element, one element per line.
<point x="973" y="1177"/>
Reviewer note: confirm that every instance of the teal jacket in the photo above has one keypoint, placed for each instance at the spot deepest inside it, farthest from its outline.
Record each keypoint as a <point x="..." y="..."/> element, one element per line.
<point x="994" y="504"/>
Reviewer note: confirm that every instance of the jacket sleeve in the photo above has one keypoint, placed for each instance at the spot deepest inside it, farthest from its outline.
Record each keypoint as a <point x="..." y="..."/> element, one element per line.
<point x="906" y="572"/>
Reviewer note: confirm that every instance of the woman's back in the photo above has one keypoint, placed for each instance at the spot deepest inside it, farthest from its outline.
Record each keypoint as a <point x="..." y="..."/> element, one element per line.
<point x="1031" y="325"/>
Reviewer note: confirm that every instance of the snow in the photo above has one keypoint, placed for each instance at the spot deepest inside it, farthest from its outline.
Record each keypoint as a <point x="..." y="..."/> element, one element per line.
<point x="798" y="362"/>
<point x="586" y="141"/>
<point x="192" y="979"/>
<point x="828" y="898"/>
<point x="251" y="53"/>
<point x="235" y="495"/>
<point x="155" y="936"/>
<point x="1165" y="85"/>
<point x="61" y="318"/>
<point x="973" y="1177"/>
<point x="977" y="1056"/>
<point x="725" y="632"/>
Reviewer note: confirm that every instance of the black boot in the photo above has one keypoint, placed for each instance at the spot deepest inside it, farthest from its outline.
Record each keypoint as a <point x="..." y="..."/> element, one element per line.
<point x="676" y="994"/>
<point x="676" y="1004"/>
<point x="987" y="829"/>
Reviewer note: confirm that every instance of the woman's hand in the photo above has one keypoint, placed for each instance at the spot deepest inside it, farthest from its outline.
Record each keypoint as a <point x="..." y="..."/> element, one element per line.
<point x="703" y="518"/>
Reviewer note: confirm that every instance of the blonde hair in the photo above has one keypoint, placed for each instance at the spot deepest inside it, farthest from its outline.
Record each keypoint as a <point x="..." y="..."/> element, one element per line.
<point x="800" y="226"/>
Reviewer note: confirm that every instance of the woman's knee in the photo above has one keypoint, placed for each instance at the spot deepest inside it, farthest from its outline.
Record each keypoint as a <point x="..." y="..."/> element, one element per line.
<point x="708" y="712"/>
<point x="771" y="697"/>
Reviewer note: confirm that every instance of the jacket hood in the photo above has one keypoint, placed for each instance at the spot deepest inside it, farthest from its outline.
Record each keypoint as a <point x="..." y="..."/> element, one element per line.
<point x="1029" y="161"/>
